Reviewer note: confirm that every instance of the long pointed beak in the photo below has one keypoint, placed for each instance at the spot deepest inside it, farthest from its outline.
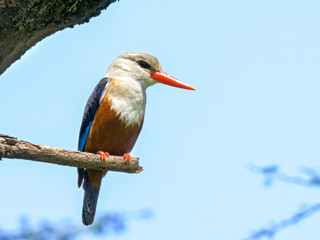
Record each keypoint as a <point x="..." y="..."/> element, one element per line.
<point x="165" y="78"/>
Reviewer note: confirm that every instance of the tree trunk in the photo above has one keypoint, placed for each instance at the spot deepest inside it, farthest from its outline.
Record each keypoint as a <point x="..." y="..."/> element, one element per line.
<point x="23" y="23"/>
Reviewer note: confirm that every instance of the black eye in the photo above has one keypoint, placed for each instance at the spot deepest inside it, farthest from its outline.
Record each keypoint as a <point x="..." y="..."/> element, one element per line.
<point x="143" y="64"/>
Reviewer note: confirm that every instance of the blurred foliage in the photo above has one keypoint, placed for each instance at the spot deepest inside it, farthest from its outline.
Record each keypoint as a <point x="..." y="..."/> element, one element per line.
<point x="108" y="223"/>
<point x="271" y="174"/>
<point x="271" y="231"/>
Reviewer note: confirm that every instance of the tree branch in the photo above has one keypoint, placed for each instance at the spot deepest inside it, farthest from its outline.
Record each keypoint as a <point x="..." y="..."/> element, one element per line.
<point x="11" y="147"/>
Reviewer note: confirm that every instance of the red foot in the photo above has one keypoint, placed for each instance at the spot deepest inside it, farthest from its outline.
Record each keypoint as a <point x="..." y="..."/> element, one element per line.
<point x="127" y="157"/>
<point x="103" y="155"/>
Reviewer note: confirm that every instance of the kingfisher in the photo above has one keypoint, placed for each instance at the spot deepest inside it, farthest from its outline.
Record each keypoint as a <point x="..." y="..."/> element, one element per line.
<point x="113" y="117"/>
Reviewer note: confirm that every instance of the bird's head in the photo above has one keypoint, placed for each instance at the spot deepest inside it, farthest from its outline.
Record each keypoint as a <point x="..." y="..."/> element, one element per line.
<point x="143" y="68"/>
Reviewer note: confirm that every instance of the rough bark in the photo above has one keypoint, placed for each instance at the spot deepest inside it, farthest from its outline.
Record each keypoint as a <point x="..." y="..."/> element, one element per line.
<point x="24" y="23"/>
<point x="11" y="147"/>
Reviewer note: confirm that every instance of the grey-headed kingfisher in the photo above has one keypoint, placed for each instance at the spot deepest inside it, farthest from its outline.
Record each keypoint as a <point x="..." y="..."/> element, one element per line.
<point x="114" y="115"/>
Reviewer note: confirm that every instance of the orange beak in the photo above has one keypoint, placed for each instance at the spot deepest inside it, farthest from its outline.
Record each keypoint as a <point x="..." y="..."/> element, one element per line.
<point x="165" y="78"/>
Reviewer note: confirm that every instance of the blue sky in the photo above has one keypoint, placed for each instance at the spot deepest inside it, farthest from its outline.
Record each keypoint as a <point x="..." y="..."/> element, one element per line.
<point x="255" y="65"/>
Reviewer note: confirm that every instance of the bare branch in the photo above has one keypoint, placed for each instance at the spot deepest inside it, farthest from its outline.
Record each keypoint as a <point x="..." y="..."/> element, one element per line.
<point x="11" y="147"/>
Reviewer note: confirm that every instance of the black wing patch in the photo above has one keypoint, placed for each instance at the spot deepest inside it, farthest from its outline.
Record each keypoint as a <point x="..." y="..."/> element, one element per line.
<point x="90" y="111"/>
<point x="87" y="119"/>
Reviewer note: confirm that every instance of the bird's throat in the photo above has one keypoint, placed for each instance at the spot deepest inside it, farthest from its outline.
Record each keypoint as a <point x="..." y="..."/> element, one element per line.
<point x="128" y="99"/>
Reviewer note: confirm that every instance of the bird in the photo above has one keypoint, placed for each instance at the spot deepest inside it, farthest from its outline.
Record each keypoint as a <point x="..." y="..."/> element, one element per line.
<point x="114" y="115"/>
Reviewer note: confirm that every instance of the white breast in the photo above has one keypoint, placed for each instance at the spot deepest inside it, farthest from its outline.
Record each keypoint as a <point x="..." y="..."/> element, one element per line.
<point x="128" y="100"/>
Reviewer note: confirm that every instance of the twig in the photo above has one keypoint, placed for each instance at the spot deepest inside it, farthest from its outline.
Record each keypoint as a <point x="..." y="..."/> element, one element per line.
<point x="272" y="173"/>
<point x="296" y="218"/>
<point x="11" y="147"/>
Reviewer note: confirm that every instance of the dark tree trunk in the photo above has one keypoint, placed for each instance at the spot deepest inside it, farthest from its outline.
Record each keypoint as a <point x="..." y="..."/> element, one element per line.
<point x="23" y="23"/>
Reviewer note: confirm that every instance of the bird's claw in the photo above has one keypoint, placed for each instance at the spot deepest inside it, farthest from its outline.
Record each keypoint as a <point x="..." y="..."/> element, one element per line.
<point x="127" y="157"/>
<point x="103" y="155"/>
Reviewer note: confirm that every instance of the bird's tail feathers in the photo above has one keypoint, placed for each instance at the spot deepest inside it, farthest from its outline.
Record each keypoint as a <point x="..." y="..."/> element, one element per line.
<point x="89" y="201"/>
<point x="80" y="176"/>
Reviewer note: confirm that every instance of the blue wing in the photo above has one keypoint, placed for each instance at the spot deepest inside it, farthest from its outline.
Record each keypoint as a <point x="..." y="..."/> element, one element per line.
<point x="83" y="137"/>
<point x="90" y="111"/>
<point x="87" y="119"/>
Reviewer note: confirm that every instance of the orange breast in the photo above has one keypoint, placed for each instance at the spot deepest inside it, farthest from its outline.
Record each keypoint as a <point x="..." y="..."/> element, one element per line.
<point x="110" y="134"/>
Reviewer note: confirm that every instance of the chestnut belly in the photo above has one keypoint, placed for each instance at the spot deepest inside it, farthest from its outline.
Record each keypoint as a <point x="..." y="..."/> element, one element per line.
<point x="110" y="134"/>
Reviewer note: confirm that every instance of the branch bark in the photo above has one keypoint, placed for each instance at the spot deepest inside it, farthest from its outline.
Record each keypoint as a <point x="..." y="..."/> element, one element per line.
<point x="11" y="147"/>
<point x="25" y="23"/>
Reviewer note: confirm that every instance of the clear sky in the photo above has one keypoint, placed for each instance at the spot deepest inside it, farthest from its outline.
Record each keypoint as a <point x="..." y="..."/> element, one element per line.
<point x="255" y="65"/>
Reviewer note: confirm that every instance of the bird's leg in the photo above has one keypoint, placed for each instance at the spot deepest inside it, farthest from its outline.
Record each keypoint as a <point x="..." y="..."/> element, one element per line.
<point x="103" y="155"/>
<point x="127" y="157"/>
